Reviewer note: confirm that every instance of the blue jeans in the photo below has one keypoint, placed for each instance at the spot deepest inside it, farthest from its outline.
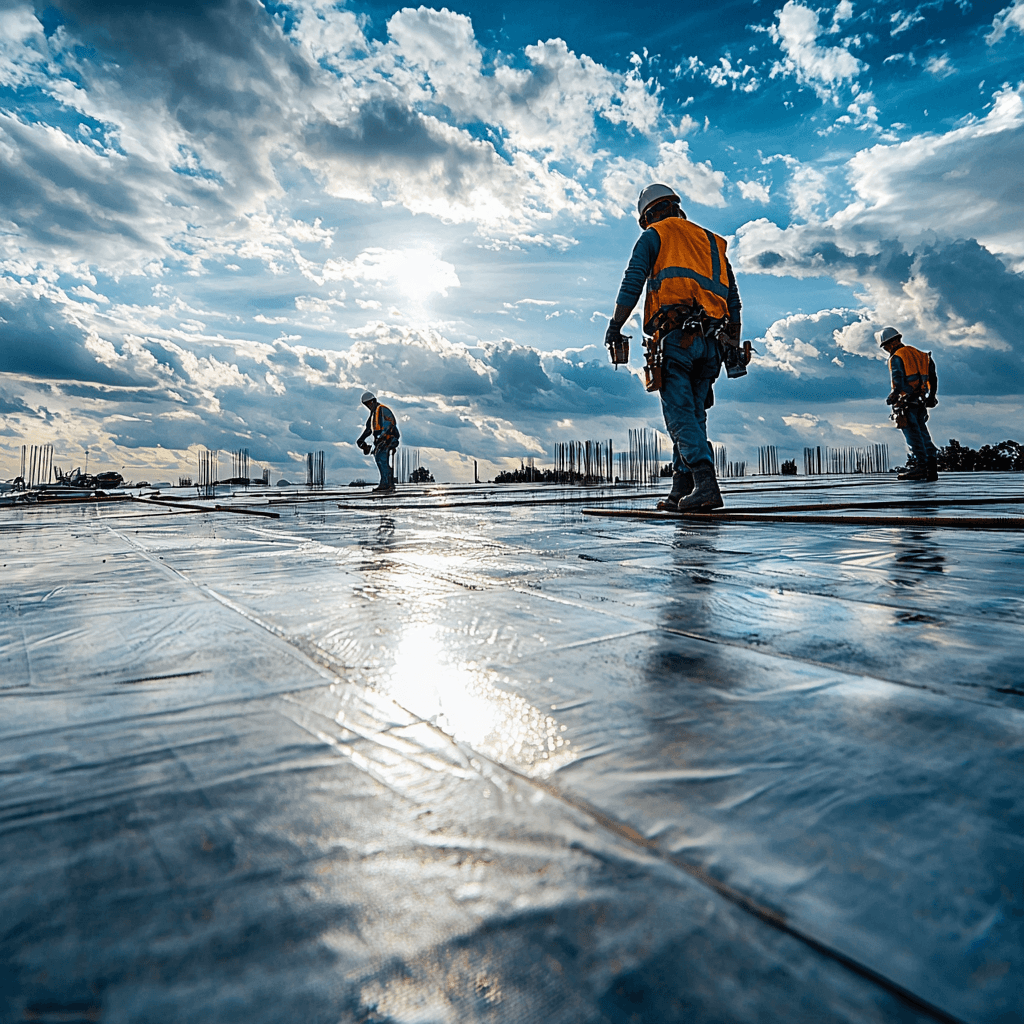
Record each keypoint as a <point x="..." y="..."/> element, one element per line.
<point x="383" y="460"/>
<point x="688" y="376"/>
<point x="919" y="441"/>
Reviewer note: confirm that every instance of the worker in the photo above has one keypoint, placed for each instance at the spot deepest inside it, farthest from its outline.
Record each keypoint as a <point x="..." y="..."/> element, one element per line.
<point x="381" y="423"/>
<point x="914" y="392"/>
<point x="692" y="300"/>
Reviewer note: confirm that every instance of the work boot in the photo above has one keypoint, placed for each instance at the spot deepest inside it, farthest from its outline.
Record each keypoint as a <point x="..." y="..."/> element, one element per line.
<point x="916" y="473"/>
<point x="931" y="470"/>
<point x="682" y="484"/>
<point x="705" y="494"/>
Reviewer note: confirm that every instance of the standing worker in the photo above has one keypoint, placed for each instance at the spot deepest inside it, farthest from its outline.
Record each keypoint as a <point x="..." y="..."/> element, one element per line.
<point x="382" y="424"/>
<point x="914" y="387"/>
<point x="692" y="308"/>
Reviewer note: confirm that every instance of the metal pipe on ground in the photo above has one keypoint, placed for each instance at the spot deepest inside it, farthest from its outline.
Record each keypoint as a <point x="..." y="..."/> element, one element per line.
<point x="207" y="508"/>
<point x="703" y="519"/>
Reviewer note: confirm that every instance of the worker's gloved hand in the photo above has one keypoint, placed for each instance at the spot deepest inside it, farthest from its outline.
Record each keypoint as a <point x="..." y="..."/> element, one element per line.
<point x="891" y="400"/>
<point x="365" y="447"/>
<point x="616" y="343"/>
<point x="930" y="402"/>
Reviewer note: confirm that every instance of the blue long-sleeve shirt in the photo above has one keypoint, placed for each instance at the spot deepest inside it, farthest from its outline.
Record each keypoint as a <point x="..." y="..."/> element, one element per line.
<point x="641" y="263"/>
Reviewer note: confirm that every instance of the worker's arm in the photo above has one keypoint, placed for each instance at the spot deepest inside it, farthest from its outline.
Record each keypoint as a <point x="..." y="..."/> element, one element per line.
<point x="899" y="379"/>
<point x="641" y="263"/>
<point x="734" y="329"/>
<point x="933" y="381"/>
<point x="645" y="252"/>
<point x="367" y="430"/>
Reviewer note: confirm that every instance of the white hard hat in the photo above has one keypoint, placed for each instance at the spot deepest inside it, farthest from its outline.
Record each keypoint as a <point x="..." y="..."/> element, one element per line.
<point x="368" y="396"/>
<point x="888" y="334"/>
<point x="652" y="194"/>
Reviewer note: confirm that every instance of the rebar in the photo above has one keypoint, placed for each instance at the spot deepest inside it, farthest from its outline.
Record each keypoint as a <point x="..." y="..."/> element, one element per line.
<point x="725" y="468"/>
<point x="209" y="462"/>
<point x="407" y="462"/>
<point x="871" y="459"/>
<point x="583" y="462"/>
<point x="315" y="475"/>
<point x="767" y="460"/>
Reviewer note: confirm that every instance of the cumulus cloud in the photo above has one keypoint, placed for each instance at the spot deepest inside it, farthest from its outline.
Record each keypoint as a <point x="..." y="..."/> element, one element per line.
<point x="930" y="242"/>
<point x="823" y="68"/>
<point x="754" y="190"/>
<point x="174" y="138"/>
<point x="146" y="386"/>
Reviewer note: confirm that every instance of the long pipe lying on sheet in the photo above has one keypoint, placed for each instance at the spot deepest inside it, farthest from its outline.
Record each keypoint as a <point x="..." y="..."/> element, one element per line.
<point x="703" y="518"/>
<point x="208" y="508"/>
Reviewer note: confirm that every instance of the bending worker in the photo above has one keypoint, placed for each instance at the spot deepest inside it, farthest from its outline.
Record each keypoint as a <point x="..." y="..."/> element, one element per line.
<point x="914" y="388"/>
<point x="691" y="294"/>
<point x="382" y="424"/>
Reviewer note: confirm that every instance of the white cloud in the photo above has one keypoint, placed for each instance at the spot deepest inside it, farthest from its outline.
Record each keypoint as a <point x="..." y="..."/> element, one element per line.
<point x="801" y="420"/>
<point x="823" y="68"/>
<point x="940" y="66"/>
<point x="753" y="190"/>
<point x="188" y="146"/>
<point x="902" y="20"/>
<point x="1007" y="18"/>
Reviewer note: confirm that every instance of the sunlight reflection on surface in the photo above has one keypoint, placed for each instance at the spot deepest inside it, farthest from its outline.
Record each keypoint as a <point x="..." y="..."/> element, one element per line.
<point x="458" y="698"/>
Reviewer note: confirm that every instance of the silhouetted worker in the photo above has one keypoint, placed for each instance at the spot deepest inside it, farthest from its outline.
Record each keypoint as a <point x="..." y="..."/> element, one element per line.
<point x="914" y="387"/>
<point x="381" y="423"/>
<point x="691" y="297"/>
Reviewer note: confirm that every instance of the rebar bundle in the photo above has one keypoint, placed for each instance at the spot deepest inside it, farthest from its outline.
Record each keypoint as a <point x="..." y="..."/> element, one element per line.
<point x="583" y="462"/>
<point x="407" y="461"/>
<point x="723" y="467"/>
<point x="209" y="469"/>
<point x="768" y="460"/>
<point x="36" y="464"/>
<point x="871" y="459"/>
<point x="240" y="465"/>
<point x="315" y="475"/>
<point x="641" y="465"/>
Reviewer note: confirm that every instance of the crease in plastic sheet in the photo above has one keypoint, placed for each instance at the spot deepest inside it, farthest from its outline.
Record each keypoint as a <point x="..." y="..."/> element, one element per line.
<point x="353" y="765"/>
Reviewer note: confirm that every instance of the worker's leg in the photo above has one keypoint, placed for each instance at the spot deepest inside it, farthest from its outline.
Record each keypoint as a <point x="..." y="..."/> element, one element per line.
<point x="381" y="458"/>
<point x="689" y="374"/>
<point x="919" y="441"/>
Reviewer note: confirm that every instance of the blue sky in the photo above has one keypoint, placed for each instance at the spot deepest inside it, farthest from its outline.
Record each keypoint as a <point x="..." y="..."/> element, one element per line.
<point x="220" y="222"/>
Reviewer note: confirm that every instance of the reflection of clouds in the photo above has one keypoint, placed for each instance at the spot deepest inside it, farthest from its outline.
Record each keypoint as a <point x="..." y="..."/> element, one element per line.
<point x="456" y="696"/>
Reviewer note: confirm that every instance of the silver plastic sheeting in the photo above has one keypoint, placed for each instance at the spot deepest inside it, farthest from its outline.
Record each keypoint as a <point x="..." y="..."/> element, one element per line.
<point x="502" y="762"/>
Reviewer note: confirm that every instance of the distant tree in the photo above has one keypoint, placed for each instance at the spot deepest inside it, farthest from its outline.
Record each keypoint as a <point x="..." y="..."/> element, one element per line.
<point x="421" y="475"/>
<point x="1005" y="457"/>
<point x="788" y="468"/>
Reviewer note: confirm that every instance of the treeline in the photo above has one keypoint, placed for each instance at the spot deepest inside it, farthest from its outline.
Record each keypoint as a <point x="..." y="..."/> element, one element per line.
<point x="1007" y="456"/>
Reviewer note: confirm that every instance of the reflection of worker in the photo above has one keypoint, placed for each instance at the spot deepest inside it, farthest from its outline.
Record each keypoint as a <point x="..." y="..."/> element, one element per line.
<point x="382" y="424"/>
<point x="684" y="266"/>
<point x="914" y="387"/>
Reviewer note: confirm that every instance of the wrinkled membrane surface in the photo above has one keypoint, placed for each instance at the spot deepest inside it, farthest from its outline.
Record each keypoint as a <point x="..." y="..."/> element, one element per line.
<point x="503" y="762"/>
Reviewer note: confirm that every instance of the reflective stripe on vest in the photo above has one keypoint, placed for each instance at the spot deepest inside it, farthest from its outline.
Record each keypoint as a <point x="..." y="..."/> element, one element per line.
<point x="690" y="266"/>
<point x="378" y="418"/>
<point x="915" y="368"/>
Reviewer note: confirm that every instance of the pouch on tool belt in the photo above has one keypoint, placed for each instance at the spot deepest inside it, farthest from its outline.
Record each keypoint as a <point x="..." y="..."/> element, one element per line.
<point x="654" y="364"/>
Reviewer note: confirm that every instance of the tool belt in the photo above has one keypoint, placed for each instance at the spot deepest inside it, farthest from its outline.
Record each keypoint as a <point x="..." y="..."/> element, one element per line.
<point x="900" y="414"/>
<point x="690" y="320"/>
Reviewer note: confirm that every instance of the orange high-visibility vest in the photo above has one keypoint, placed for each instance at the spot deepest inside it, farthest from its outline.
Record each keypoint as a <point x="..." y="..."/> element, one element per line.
<point x="690" y="266"/>
<point x="915" y="367"/>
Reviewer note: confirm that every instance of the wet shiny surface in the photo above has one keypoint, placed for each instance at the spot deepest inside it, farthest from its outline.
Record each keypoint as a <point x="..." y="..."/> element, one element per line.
<point x="510" y="763"/>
